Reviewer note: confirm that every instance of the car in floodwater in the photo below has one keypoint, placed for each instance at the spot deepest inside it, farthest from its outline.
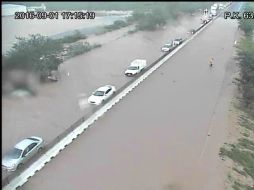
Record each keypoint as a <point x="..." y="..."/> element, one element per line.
<point x="22" y="152"/>
<point x="177" y="41"/>
<point x="136" y="66"/>
<point x="192" y="31"/>
<point x="167" y="47"/>
<point x="101" y="94"/>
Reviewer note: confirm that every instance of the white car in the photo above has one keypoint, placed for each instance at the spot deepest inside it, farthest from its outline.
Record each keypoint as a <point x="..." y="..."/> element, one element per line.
<point x="135" y="67"/>
<point x="167" y="47"/>
<point x="221" y="6"/>
<point x="101" y="94"/>
<point x="21" y="153"/>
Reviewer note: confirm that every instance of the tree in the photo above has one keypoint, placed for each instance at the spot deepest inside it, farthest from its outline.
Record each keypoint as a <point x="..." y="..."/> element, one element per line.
<point x="245" y="57"/>
<point x="37" y="53"/>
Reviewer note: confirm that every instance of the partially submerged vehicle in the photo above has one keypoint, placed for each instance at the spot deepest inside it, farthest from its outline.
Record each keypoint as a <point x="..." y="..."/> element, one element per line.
<point x="135" y="67"/>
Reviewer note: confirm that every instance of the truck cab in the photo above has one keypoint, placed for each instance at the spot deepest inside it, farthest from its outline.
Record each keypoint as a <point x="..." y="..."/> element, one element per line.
<point x="135" y="67"/>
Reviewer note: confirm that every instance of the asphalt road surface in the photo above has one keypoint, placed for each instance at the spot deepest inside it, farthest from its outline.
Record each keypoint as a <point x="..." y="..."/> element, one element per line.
<point x="165" y="134"/>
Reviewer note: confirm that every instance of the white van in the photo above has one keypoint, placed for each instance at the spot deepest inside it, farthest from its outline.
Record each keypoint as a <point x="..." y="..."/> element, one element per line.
<point x="213" y="11"/>
<point x="135" y="67"/>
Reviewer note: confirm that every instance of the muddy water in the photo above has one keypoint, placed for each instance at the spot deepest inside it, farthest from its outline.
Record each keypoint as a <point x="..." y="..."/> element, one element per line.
<point x="156" y="138"/>
<point x="47" y="27"/>
<point x="57" y="105"/>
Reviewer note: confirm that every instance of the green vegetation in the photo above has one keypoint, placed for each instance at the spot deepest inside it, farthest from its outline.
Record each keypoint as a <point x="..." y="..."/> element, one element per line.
<point x="246" y="123"/>
<point x="240" y="171"/>
<point x="43" y="55"/>
<point x="116" y="25"/>
<point x="148" y="15"/>
<point x="73" y="38"/>
<point x="36" y="53"/>
<point x="246" y="144"/>
<point x="132" y="31"/>
<point x="245" y="58"/>
<point x="239" y="186"/>
<point x="80" y="48"/>
<point x="158" y="14"/>
<point x="244" y="157"/>
<point x="242" y="153"/>
<point x="247" y="25"/>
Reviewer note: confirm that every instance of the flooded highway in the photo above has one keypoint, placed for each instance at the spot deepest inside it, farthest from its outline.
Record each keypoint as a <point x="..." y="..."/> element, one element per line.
<point x="165" y="134"/>
<point x="47" y="27"/>
<point x="57" y="105"/>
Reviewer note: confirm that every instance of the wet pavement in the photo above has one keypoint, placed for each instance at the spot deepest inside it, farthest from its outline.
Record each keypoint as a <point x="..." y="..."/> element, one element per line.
<point x="57" y="105"/>
<point x="165" y="134"/>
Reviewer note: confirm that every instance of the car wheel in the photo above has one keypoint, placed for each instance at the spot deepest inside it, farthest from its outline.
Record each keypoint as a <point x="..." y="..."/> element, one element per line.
<point x="20" y="166"/>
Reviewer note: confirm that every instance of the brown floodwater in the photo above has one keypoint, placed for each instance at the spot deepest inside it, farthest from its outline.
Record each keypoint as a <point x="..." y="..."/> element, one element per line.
<point x="57" y="106"/>
<point x="12" y="27"/>
<point x="166" y="133"/>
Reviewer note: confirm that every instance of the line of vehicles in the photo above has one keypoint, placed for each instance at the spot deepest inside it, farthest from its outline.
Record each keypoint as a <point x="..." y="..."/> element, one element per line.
<point x="169" y="46"/>
<point x="137" y="66"/>
<point x="215" y="7"/>
<point x="104" y="92"/>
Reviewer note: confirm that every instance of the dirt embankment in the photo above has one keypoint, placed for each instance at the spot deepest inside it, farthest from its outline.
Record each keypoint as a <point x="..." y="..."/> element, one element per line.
<point x="238" y="151"/>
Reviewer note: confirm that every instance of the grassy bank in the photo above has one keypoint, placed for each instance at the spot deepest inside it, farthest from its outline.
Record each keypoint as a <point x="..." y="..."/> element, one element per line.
<point x="241" y="151"/>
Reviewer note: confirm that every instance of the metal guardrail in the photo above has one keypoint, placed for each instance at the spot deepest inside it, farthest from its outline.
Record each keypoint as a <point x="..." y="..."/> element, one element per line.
<point x="86" y="117"/>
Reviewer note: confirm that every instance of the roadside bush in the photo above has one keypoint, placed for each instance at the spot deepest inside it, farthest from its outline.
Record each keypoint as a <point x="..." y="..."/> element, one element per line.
<point x="73" y="38"/>
<point x="80" y="48"/>
<point x="243" y="157"/>
<point x="247" y="25"/>
<point x="116" y="25"/>
<point x="245" y="58"/>
<point x="36" y="53"/>
<point x="157" y="15"/>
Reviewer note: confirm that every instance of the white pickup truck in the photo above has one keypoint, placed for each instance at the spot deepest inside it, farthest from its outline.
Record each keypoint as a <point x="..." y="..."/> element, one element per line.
<point x="135" y="67"/>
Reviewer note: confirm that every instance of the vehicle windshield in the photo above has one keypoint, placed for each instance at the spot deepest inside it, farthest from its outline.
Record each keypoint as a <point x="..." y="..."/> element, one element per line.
<point x="133" y="68"/>
<point x="14" y="153"/>
<point x="98" y="93"/>
<point x="167" y="45"/>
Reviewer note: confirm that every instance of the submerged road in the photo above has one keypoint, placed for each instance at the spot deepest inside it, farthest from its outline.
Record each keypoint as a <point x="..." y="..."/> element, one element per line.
<point x="165" y="134"/>
<point x="56" y="107"/>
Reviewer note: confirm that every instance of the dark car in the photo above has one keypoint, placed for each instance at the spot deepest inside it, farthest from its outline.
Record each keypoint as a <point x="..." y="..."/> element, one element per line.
<point x="177" y="41"/>
<point x="192" y="31"/>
